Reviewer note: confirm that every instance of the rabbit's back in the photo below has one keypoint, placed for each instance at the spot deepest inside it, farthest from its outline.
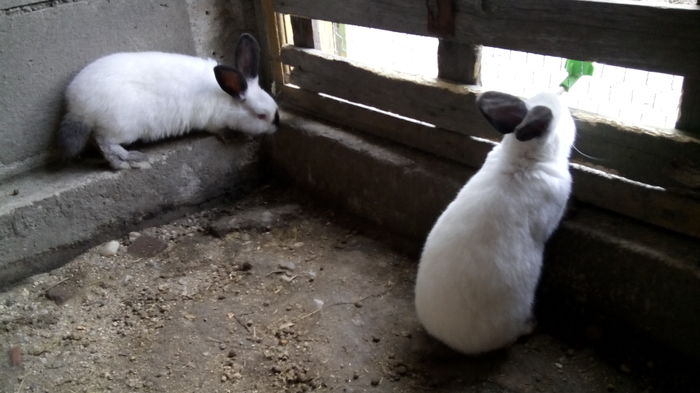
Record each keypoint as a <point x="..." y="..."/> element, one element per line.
<point x="481" y="262"/>
<point x="141" y="95"/>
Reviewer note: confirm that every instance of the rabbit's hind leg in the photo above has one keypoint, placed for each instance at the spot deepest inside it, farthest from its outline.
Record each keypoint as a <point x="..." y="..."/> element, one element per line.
<point x="119" y="158"/>
<point x="135" y="158"/>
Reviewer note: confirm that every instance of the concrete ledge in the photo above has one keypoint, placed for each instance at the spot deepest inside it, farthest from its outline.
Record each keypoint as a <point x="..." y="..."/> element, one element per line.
<point x="641" y="276"/>
<point x="46" y="216"/>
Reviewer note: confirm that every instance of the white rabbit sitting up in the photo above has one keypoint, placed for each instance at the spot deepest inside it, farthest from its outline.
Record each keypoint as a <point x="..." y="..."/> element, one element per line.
<point x="481" y="262"/>
<point x="146" y="96"/>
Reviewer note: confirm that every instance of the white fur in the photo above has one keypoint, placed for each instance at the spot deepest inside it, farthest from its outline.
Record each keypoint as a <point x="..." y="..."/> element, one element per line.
<point x="125" y="97"/>
<point x="481" y="262"/>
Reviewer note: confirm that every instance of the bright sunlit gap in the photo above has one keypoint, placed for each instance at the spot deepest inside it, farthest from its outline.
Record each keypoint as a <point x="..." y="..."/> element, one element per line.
<point x="627" y="95"/>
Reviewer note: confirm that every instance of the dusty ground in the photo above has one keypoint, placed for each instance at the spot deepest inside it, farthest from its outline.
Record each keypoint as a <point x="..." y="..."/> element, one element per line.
<point x="277" y="298"/>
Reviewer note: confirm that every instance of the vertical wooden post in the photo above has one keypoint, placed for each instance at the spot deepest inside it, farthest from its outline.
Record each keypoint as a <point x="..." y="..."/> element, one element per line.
<point x="689" y="111"/>
<point x="303" y="31"/>
<point x="689" y="108"/>
<point x="269" y="36"/>
<point x="459" y="62"/>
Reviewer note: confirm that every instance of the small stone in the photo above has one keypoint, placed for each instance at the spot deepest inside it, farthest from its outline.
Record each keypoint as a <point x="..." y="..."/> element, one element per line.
<point x="146" y="246"/>
<point x="558" y="365"/>
<point x="224" y="378"/>
<point x="287" y="265"/>
<point x="15" y="355"/>
<point x="355" y="375"/>
<point x="375" y="381"/>
<point x="63" y="291"/>
<point x="401" y="369"/>
<point x="222" y="346"/>
<point x="298" y="245"/>
<point x="15" y="192"/>
<point x="232" y="354"/>
<point x="133" y="236"/>
<point x="37" y="350"/>
<point x="109" y="249"/>
<point x="134" y="383"/>
<point x="245" y="267"/>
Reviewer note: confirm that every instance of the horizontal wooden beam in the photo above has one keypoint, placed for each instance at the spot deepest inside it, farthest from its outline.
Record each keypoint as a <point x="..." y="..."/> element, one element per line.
<point x="435" y="101"/>
<point x="654" y="37"/>
<point x="666" y="160"/>
<point x="441" y="142"/>
<point x="647" y="204"/>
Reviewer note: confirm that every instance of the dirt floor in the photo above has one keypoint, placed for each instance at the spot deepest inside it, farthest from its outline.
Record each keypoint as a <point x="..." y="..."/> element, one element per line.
<point x="266" y="295"/>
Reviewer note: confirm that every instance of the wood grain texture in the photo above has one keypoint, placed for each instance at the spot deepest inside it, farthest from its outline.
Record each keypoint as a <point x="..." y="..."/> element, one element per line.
<point x="689" y="109"/>
<point x="270" y="36"/>
<point x="669" y="161"/>
<point x="654" y="37"/>
<point x="459" y="62"/>
<point x="303" y="32"/>
<point x="444" y="104"/>
<point x="647" y="204"/>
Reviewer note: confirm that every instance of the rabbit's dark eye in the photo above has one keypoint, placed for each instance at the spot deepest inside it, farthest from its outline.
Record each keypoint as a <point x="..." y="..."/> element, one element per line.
<point x="262" y="116"/>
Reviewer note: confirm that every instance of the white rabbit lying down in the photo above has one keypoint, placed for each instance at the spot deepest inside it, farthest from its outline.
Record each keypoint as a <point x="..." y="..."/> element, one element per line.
<point x="146" y="96"/>
<point x="481" y="262"/>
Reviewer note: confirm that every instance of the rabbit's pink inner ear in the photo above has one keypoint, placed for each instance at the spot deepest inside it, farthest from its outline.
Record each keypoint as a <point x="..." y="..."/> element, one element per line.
<point x="248" y="56"/>
<point x="535" y="124"/>
<point x="231" y="80"/>
<point x="503" y="111"/>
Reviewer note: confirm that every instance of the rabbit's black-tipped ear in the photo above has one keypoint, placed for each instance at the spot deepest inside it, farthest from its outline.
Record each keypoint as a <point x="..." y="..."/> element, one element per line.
<point x="502" y="110"/>
<point x="535" y="123"/>
<point x="248" y="56"/>
<point x="231" y="81"/>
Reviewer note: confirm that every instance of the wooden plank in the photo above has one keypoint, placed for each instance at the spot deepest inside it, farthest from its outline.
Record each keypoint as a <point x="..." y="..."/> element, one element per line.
<point x="271" y="39"/>
<point x="649" y="36"/>
<point x="689" y="110"/>
<point x="438" y="102"/>
<point x="459" y="62"/>
<point x="649" y="204"/>
<point x="657" y="206"/>
<point x="444" y="143"/>
<point x="303" y="32"/>
<point x="670" y="161"/>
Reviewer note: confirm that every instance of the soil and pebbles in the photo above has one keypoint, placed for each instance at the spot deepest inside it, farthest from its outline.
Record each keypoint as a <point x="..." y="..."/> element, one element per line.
<point x="262" y="296"/>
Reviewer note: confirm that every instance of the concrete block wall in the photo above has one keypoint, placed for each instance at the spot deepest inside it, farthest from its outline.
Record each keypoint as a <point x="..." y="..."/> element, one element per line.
<point x="44" y="43"/>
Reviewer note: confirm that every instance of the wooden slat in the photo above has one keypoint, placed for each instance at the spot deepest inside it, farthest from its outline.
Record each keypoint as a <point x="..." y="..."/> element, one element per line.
<point x="459" y="62"/>
<point x="269" y="24"/>
<point x="448" y="144"/>
<point x="651" y="205"/>
<point x="303" y="31"/>
<point x="670" y="161"/>
<point x="689" y="110"/>
<point x="434" y="101"/>
<point x="654" y="37"/>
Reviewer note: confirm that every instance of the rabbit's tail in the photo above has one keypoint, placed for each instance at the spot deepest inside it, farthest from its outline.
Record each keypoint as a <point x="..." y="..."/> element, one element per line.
<point x="73" y="135"/>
